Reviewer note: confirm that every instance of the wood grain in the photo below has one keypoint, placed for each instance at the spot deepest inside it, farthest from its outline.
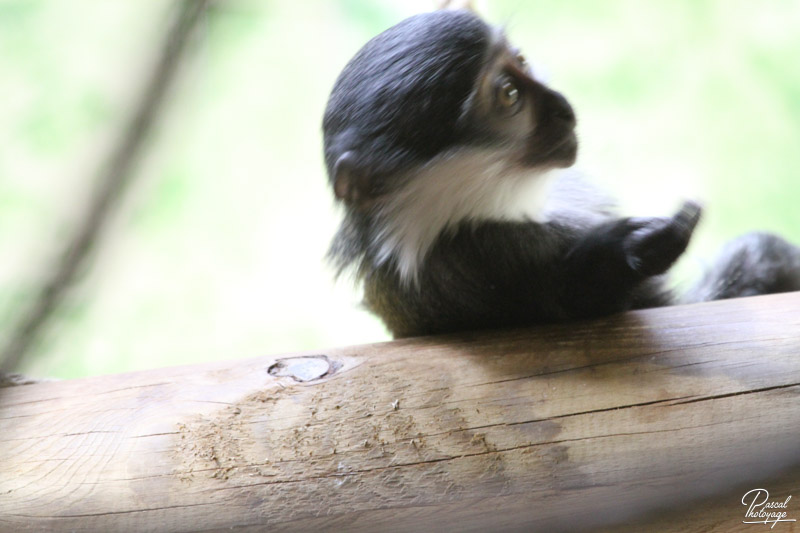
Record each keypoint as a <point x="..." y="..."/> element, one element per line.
<point x="653" y="420"/>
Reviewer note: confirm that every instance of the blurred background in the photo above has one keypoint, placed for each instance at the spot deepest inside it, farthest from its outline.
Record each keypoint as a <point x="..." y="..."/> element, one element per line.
<point x="215" y="247"/>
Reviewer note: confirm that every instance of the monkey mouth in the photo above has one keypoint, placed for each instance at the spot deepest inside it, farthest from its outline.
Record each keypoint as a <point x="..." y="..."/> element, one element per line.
<point x="565" y="152"/>
<point x="553" y="151"/>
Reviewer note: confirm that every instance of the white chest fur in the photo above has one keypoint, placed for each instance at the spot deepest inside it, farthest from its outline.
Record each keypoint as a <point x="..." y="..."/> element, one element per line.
<point x="466" y="185"/>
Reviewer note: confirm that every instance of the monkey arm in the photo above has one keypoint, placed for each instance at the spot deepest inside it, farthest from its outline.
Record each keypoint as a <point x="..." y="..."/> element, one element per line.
<point x="504" y="273"/>
<point x="605" y="267"/>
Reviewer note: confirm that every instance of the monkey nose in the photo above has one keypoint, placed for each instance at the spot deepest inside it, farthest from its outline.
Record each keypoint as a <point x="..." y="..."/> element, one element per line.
<point x="561" y="108"/>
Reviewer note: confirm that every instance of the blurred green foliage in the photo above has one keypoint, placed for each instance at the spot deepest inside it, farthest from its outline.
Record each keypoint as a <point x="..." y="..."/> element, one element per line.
<point x="217" y="251"/>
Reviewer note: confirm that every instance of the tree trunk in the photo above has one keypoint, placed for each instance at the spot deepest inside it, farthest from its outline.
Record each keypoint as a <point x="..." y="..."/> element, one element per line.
<point x="651" y="420"/>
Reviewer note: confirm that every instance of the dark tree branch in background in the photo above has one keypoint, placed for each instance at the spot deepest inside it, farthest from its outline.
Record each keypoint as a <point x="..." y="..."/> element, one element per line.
<point x="114" y="177"/>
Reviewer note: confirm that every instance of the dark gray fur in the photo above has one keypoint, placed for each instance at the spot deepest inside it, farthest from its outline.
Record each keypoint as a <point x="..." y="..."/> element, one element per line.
<point x="755" y="263"/>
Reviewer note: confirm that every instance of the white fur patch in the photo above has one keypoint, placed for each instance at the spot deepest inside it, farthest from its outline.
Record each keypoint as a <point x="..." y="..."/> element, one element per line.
<point x="465" y="185"/>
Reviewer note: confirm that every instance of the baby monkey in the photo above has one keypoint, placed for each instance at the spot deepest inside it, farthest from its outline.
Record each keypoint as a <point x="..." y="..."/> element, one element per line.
<point x="451" y="160"/>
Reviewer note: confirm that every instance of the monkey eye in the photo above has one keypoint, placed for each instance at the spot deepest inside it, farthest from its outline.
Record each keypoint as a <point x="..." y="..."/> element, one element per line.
<point x="507" y="96"/>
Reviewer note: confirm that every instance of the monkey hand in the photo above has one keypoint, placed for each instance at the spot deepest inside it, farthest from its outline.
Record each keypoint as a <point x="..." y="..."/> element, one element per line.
<point x="605" y="266"/>
<point x="654" y="244"/>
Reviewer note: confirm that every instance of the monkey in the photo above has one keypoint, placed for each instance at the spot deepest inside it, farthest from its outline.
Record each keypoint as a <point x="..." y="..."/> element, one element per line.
<point x="461" y="208"/>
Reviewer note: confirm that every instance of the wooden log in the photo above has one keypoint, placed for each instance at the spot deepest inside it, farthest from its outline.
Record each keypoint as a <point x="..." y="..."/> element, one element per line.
<point x="652" y="420"/>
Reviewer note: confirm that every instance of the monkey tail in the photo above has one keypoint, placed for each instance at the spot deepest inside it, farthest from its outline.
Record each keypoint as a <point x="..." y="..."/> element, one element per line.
<point x="755" y="263"/>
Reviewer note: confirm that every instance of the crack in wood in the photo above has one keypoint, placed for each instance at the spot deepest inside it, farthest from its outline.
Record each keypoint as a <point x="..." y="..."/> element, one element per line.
<point x="114" y="513"/>
<point x="737" y="393"/>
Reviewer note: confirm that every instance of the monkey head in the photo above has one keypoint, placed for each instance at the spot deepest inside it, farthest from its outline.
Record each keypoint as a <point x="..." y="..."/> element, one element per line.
<point x="438" y="120"/>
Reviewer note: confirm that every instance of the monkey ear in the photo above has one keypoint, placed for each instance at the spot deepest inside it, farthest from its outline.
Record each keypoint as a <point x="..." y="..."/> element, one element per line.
<point x="351" y="183"/>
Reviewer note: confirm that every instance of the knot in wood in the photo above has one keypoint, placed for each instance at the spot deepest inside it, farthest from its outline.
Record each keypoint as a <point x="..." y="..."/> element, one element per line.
<point x="304" y="367"/>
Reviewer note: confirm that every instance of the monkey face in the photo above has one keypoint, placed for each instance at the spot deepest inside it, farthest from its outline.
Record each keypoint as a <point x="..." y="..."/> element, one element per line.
<point x="519" y="111"/>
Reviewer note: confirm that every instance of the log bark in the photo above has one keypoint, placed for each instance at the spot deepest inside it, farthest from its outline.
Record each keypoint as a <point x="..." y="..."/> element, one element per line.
<point x="652" y="420"/>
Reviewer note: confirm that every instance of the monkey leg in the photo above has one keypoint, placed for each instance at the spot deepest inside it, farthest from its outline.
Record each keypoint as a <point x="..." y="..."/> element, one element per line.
<point x="755" y="263"/>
